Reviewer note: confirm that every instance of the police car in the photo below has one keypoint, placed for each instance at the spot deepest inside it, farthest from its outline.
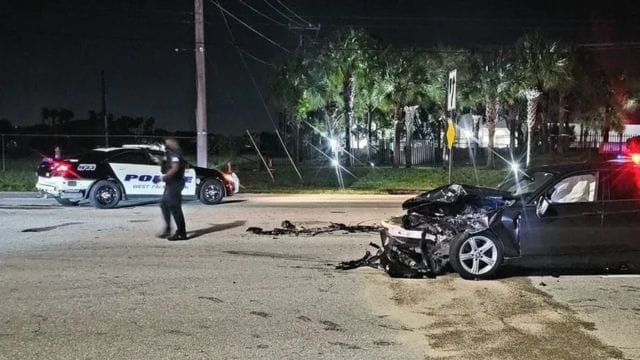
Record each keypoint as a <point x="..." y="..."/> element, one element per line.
<point x="105" y="176"/>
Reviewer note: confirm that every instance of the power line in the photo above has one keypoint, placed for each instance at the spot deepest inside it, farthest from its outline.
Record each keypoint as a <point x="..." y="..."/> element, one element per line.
<point x="249" y="27"/>
<point x="294" y="14"/>
<point x="255" y="58"/>
<point x="282" y="14"/>
<point x="468" y="18"/>
<point x="264" y="103"/>
<point x="262" y="14"/>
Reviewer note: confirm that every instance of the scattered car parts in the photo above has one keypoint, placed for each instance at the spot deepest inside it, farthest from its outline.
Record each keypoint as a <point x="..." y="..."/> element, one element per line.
<point x="289" y="228"/>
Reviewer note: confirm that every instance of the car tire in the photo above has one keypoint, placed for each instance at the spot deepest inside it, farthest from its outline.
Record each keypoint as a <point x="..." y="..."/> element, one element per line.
<point x="67" y="202"/>
<point x="211" y="192"/>
<point x="105" y="194"/>
<point x="476" y="256"/>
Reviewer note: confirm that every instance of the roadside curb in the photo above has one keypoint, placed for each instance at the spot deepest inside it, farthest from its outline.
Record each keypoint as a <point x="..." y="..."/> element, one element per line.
<point x="18" y="194"/>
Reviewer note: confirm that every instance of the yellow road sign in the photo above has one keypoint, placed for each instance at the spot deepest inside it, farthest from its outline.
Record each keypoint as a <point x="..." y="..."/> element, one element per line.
<point x="451" y="133"/>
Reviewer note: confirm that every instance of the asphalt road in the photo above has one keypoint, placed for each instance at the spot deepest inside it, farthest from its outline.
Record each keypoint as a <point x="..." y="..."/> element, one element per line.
<point x="85" y="283"/>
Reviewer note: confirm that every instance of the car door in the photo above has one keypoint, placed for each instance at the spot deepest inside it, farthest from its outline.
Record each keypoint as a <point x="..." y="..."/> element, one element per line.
<point x="136" y="170"/>
<point x="566" y="220"/>
<point x="621" y="211"/>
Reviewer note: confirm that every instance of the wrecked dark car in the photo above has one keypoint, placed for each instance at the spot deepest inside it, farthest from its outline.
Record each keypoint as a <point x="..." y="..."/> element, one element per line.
<point x="559" y="216"/>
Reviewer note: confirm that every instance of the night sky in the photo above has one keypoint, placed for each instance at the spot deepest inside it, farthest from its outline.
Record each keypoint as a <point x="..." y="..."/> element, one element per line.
<point x="52" y="52"/>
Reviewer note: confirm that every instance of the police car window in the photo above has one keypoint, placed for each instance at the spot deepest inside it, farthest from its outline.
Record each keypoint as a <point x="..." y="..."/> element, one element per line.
<point x="93" y="156"/>
<point x="132" y="158"/>
<point x="624" y="185"/>
<point x="575" y="189"/>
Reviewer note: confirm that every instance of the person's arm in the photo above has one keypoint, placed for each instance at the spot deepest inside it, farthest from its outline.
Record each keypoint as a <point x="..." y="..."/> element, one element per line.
<point x="171" y="172"/>
<point x="173" y="168"/>
<point x="156" y="159"/>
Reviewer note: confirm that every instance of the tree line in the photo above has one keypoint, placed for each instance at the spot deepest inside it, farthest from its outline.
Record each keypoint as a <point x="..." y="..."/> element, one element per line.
<point x="351" y="85"/>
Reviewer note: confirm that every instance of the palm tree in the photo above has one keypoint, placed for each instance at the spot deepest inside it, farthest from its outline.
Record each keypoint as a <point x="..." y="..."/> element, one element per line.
<point x="542" y="65"/>
<point x="492" y="69"/>
<point x="287" y="92"/>
<point x="343" y="57"/>
<point x="372" y="94"/>
<point x="407" y="80"/>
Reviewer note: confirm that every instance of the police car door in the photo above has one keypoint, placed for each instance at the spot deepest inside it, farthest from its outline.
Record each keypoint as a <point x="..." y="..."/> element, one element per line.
<point x="189" y="177"/>
<point x="189" y="182"/>
<point x="136" y="171"/>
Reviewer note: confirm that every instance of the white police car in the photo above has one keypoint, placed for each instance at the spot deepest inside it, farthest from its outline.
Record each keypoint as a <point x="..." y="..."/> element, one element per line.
<point x="105" y="176"/>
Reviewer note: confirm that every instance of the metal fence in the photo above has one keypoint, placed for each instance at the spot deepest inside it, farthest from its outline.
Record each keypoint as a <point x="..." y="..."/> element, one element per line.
<point x="24" y="151"/>
<point x="25" y="147"/>
<point x="16" y="148"/>
<point x="423" y="152"/>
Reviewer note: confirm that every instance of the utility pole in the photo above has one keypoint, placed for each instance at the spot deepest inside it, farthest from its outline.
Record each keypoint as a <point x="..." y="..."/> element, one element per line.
<point x="201" y="88"/>
<point x="104" y="110"/>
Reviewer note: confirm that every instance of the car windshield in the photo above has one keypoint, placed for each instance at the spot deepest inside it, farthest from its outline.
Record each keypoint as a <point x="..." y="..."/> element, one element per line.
<point x="525" y="184"/>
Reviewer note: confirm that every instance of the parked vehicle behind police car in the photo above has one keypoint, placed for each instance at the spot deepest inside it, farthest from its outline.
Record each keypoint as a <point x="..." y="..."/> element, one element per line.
<point x="105" y="176"/>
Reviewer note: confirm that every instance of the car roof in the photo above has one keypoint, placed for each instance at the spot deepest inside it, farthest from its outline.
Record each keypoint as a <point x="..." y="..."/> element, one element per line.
<point x="585" y="165"/>
<point x="105" y="153"/>
<point x="152" y="147"/>
<point x="563" y="168"/>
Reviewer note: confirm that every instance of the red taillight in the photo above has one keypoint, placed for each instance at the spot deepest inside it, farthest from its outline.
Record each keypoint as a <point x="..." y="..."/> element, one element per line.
<point x="59" y="168"/>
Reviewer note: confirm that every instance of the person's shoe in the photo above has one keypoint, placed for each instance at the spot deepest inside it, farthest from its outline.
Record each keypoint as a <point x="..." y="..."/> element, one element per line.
<point x="177" y="236"/>
<point x="165" y="234"/>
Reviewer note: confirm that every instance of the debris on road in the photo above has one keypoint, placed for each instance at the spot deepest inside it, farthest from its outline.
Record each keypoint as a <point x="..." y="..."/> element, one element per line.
<point x="49" y="228"/>
<point x="417" y="243"/>
<point x="367" y="260"/>
<point x="288" y="228"/>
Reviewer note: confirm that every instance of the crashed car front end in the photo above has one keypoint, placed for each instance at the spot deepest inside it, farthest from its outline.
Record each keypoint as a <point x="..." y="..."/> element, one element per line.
<point x="418" y="243"/>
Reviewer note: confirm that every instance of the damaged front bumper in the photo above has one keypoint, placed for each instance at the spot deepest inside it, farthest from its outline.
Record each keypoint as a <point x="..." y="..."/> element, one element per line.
<point x="418" y="243"/>
<point x="412" y="252"/>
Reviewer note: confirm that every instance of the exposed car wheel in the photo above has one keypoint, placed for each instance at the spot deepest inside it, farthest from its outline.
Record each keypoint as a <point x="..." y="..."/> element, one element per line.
<point x="211" y="192"/>
<point x="105" y="194"/>
<point x="477" y="256"/>
<point x="67" y="202"/>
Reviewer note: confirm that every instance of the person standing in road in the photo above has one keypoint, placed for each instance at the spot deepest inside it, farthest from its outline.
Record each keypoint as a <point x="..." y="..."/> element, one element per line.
<point x="173" y="167"/>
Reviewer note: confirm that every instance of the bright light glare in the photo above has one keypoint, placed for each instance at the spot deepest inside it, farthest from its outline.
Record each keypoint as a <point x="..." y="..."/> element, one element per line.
<point x="515" y="167"/>
<point x="372" y="164"/>
<point x="333" y="143"/>
<point x="335" y="163"/>
<point x="466" y="133"/>
<point x="635" y="158"/>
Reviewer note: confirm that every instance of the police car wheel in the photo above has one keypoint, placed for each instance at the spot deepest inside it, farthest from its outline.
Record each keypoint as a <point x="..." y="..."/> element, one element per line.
<point x="211" y="192"/>
<point x="67" y="202"/>
<point x="105" y="194"/>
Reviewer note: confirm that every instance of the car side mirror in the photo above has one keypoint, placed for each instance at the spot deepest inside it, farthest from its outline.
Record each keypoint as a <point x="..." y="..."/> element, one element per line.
<point x="542" y="206"/>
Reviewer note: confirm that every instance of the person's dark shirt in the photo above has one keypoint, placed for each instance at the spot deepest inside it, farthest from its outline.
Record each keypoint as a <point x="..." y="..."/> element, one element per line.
<point x="171" y="157"/>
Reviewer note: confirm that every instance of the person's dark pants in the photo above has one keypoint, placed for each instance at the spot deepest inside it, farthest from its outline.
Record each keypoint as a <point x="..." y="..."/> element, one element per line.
<point x="171" y="205"/>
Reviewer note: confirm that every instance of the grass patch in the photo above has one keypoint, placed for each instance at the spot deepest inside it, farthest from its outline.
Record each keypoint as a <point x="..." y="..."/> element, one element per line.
<point x="20" y="176"/>
<point x="386" y="179"/>
<point x="364" y="180"/>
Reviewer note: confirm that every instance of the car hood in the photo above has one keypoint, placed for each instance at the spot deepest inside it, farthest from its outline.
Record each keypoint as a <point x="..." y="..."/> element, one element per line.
<point x="454" y="199"/>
